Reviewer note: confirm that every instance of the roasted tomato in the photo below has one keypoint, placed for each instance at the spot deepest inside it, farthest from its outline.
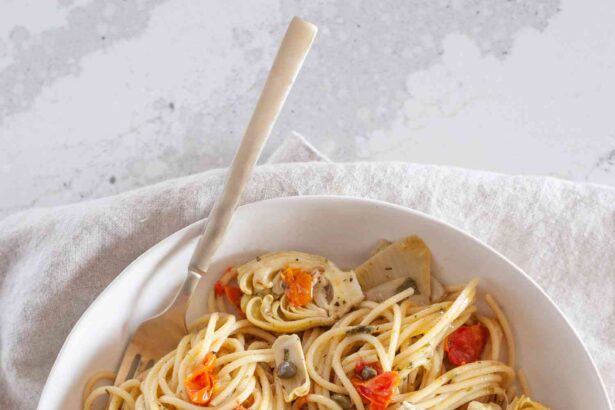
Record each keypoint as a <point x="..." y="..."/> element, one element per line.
<point x="233" y="294"/>
<point x="300" y="403"/>
<point x="297" y="286"/>
<point x="219" y="288"/>
<point x="377" y="391"/>
<point x="201" y="383"/>
<point x="466" y="344"/>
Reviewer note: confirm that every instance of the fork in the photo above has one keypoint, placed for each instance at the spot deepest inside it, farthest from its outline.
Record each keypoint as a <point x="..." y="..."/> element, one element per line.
<point x="159" y="335"/>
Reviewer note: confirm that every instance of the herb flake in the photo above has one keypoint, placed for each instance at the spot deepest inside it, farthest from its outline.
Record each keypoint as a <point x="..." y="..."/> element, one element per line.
<point x="360" y="329"/>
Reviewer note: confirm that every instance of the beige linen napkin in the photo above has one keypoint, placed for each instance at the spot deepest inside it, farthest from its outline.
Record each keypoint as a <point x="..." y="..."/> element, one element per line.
<point x="55" y="261"/>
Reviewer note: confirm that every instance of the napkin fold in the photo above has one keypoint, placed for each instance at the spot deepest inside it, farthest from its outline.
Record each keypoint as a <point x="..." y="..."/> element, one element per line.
<point x="55" y="261"/>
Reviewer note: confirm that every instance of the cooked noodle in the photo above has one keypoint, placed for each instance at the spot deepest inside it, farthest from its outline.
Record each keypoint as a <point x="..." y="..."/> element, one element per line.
<point x="404" y="338"/>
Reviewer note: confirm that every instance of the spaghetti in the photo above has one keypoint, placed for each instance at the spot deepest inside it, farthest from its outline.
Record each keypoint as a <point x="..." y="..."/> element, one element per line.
<point x="393" y="354"/>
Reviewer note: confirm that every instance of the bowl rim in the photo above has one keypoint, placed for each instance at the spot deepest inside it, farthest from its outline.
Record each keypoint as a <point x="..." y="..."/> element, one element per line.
<point x="340" y="199"/>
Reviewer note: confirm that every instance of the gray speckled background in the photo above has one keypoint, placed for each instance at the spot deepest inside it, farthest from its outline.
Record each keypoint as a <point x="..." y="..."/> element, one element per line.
<point x="99" y="97"/>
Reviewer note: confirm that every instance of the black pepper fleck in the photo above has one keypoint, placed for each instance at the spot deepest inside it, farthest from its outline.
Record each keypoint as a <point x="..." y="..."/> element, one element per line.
<point x="360" y="329"/>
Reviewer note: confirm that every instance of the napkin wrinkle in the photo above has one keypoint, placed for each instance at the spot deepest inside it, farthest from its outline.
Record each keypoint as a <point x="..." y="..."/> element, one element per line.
<point x="296" y="148"/>
<point x="55" y="261"/>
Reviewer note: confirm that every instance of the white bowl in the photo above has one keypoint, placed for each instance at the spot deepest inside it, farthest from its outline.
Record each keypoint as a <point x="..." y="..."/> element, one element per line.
<point x="559" y="368"/>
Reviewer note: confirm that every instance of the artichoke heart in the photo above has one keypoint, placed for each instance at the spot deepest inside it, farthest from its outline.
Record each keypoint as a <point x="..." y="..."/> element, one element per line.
<point x="287" y="351"/>
<point x="476" y="405"/>
<point x="404" y="262"/>
<point x="525" y="403"/>
<point x="292" y="291"/>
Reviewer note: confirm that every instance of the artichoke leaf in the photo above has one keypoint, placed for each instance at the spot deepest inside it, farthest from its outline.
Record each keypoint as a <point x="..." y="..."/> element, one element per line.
<point x="477" y="405"/>
<point x="437" y="290"/>
<point x="406" y="258"/>
<point x="287" y="348"/>
<point x="525" y="403"/>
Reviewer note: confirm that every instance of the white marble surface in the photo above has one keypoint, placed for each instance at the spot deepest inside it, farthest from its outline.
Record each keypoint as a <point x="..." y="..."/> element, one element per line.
<point x="98" y="97"/>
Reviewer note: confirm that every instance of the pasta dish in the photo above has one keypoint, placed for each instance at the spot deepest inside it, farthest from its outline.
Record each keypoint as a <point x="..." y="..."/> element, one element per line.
<point x="290" y="330"/>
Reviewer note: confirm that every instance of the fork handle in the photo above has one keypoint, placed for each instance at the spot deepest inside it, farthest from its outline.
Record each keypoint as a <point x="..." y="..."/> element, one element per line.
<point x="286" y="66"/>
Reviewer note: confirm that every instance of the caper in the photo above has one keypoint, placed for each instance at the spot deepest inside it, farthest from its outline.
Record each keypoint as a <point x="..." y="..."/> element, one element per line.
<point x="368" y="372"/>
<point x="408" y="283"/>
<point x="286" y="369"/>
<point x="343" y="401"/>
